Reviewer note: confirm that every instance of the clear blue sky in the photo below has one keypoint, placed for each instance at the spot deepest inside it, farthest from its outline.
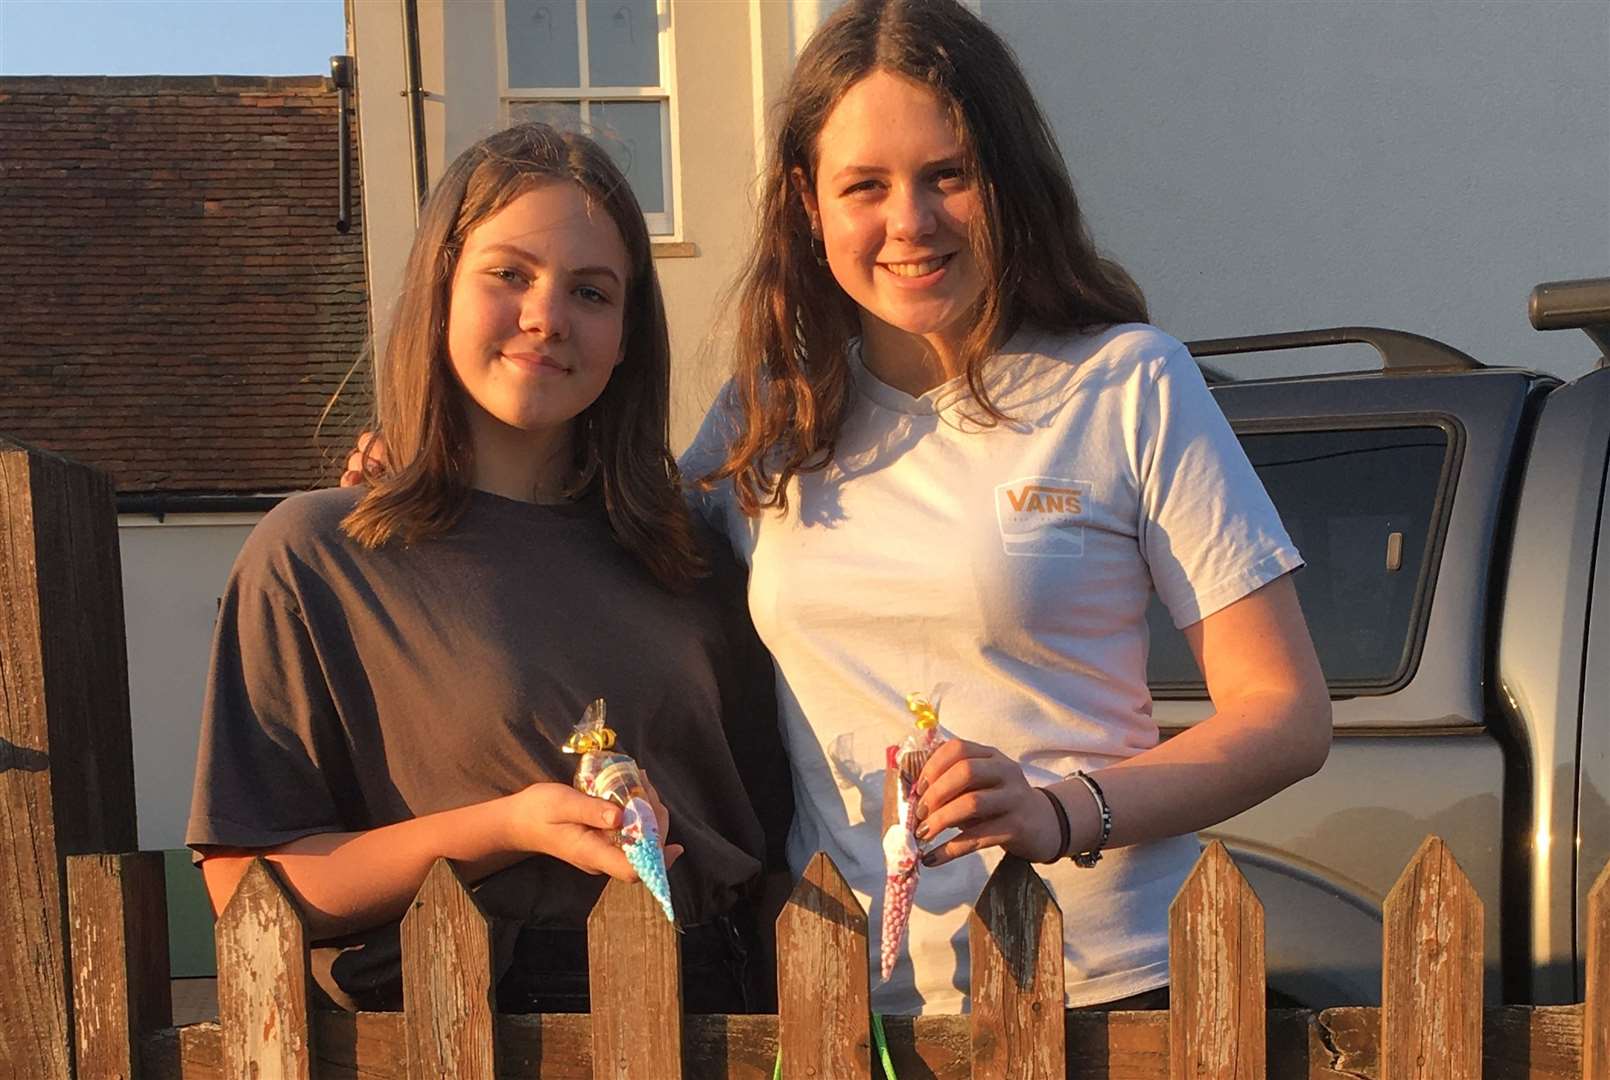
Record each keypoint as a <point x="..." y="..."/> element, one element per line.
<point x="170" y="37"/>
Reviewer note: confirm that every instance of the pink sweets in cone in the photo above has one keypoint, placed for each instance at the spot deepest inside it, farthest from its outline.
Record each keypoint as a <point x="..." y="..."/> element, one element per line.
<point x="902" y="858"/>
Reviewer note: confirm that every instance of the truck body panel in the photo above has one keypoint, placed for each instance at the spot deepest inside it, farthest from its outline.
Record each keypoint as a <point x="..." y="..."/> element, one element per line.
<point x="1323" y="854"/>
<point x="1593" y="757"/>
<point x="1494" y="732"/>
<point x="1541" y="658"/>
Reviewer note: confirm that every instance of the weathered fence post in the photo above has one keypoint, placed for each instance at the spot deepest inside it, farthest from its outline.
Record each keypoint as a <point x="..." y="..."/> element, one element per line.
<point x="1216" y="974"/>
<point x="822" y="989"/>
<point x="448" y="995"/>
<point x="1014" y="936"/>
<point x="1596" y="1011"/>
<point x="1431" y="1009"/>
<point x="117" y="908"/>
<point x="66" y="767"/>
<point x="634" y="971"/>
<point x="263" y="982"/>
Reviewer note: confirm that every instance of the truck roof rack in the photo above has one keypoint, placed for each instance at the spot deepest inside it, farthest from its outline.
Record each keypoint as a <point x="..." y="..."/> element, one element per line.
<point x="1582" y="304"/>
<point x="1400" y="350"/>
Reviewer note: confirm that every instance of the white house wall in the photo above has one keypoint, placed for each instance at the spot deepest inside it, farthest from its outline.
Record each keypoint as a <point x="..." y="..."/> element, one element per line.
<point x="1268" y="165"/>
<point x="1259" y="165"/>
<point x="375" y="36"/>
<point x="173" y="573"/>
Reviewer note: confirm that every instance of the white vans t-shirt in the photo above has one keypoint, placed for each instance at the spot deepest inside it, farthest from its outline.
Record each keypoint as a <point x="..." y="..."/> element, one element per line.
<point x="1009" y="567"/>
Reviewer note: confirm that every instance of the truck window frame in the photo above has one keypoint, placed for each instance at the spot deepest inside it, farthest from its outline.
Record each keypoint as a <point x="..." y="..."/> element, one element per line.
<point x="1425" y="587"/>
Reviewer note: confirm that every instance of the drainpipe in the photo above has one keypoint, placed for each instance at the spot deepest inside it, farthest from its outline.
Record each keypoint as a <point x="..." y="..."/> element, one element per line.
<point x="415" y="93"/>
<point x="341" y="76"/>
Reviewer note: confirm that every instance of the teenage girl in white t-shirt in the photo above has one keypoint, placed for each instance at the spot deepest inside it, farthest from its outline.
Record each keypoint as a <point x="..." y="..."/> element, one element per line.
<point x="925" y="332"/>
<point x="927" y="339"/>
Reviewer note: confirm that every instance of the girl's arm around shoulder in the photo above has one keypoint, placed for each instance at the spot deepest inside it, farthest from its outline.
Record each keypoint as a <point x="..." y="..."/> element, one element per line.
<point x="705" y="454"/>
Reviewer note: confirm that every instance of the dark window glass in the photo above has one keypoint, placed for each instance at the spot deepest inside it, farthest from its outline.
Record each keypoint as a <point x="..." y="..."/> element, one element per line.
<point x="1362" y="505"/>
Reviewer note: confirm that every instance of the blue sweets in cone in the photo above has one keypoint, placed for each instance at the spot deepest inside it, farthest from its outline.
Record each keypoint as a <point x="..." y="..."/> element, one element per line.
<point x="640" y="841"/>
<point x="606" y="773"/>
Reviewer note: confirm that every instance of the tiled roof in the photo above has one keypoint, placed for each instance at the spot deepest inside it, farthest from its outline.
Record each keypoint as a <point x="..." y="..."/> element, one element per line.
<point x="176" y="305"/>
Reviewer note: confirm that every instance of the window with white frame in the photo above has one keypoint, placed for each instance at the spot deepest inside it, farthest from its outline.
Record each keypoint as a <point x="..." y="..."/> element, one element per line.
<point x="602" y="67"/>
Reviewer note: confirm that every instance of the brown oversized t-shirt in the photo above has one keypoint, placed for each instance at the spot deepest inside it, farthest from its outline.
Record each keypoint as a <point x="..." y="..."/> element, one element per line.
<point x="351" y="689"/>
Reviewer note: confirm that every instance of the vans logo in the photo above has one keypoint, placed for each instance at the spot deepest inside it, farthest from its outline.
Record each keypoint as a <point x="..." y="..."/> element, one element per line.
<point x="1045" y="499"/>
<point x="1042" y="515"/>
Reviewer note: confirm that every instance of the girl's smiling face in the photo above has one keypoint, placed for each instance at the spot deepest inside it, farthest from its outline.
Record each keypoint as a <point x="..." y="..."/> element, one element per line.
<point x="536" y="318"/>
<point x="893" y="205"/>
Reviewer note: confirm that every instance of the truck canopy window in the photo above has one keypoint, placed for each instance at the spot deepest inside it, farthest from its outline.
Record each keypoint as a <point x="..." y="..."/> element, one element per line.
<point x="1363" y="506"/>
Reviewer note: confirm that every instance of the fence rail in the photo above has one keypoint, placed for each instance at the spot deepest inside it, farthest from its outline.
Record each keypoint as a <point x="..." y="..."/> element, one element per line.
<point x="87" y="975"/>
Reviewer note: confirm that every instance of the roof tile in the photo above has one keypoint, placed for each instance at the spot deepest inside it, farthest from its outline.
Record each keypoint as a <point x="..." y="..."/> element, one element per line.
<point x="179" y="306"/>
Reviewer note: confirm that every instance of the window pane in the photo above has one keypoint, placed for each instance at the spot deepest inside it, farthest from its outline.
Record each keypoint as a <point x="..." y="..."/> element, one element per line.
<point x="544" y="49"/>
<point x="623" y="43"/>
<point x="630" y="131"/>
<point x="564" y="115"/>
<point x="1361" y="506"/>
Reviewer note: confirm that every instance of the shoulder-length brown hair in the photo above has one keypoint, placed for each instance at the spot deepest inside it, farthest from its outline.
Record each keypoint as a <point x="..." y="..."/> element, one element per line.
<point x="792" y="380"/>
<point x="620" y="441"/>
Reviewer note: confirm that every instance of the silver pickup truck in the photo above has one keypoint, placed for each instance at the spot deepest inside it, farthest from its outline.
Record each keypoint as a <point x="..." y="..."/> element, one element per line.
<point x="1453" y="517"/>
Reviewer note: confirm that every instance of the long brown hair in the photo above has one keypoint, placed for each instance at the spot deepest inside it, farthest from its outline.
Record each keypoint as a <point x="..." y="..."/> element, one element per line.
<point x="792" y="381"/>
<point x="620" y="440"/>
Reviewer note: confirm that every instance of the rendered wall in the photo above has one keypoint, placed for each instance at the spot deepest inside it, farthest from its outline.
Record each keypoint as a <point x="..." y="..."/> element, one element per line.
<point x="716" y="121"/>
<point x="716" y="112"/>
<point x="173" y="574"/>
<point x="1259" y="166"/>
<point x="1267" y="165"/>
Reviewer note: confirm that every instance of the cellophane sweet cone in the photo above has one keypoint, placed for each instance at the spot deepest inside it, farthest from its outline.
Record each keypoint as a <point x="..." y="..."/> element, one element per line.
<point x="901" y="854"/>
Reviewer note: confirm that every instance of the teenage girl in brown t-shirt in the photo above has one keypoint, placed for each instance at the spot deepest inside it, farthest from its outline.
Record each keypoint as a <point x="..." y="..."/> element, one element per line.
<point x="395" y="668"/>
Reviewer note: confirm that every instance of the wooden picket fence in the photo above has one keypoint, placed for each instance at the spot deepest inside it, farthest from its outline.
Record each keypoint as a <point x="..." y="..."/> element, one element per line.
<point x="84" y="987"/>
<point x="1431" y="1023"/>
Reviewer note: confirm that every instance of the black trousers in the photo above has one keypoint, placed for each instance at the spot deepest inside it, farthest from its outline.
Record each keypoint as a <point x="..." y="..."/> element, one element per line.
<point x="719" y="968"/>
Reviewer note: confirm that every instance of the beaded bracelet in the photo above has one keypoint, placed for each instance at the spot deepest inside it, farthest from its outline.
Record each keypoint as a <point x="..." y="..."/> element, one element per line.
<point x="1089" y="858"/>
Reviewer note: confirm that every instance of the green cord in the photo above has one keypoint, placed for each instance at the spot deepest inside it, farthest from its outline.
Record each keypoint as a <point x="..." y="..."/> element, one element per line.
<point x="883" y="1047"/>
<point x="877" y="1037"/>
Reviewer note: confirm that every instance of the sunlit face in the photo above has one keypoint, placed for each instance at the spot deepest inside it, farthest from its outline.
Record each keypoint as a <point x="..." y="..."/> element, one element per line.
<point x="893" y="203"/>
<point x="537" y="315"/>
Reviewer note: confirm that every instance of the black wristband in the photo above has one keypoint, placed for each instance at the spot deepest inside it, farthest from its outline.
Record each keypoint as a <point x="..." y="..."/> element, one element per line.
<point x="1063" y="827"/>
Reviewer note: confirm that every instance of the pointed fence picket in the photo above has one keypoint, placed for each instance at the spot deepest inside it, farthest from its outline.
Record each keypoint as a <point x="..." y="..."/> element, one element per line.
<point x="822" y="994"/>
<point x="1216" y="974"/>
<point x="263" y="981"/>
<point x="448" y="998"/>
<point x="1431" y="1013"/>
<point x="118" y="923"/>
<point x="634" y="967"/>
<point x="1015" y="942"/>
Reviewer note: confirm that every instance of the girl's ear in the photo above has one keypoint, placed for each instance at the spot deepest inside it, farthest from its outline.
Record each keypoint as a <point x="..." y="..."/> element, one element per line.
<point x="807" y="195"/>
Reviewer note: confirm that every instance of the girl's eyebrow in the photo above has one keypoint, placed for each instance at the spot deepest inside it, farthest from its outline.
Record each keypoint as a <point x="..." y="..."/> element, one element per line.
<point x="580" y="271"/>
<point x="860" y="170"/>
<point x="878" y="170"/>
